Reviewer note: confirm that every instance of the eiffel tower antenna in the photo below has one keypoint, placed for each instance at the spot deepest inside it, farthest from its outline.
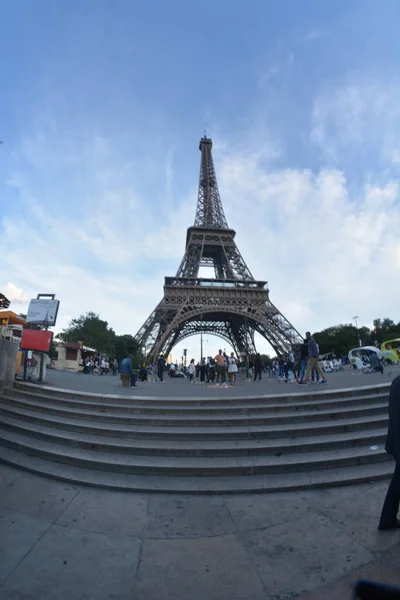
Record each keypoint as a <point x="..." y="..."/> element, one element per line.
<point x="210" y="212"/>
<point x="232" y="304"/>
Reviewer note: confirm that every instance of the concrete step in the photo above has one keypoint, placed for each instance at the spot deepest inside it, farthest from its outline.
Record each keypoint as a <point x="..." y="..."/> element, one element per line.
<point x="228" y="432"/>
<point x="313" y="393"/>
<point x="51" y="407"/>
<point x="199" y="485"/>
<point x="183" y="466"/>
<point x="259" y="406"/>
<point x="167" y="447"/>
<point x="289" y="392"/>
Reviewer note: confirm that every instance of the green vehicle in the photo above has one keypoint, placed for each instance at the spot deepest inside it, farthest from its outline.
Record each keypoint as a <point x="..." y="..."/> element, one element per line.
<point x="391" y="351"/>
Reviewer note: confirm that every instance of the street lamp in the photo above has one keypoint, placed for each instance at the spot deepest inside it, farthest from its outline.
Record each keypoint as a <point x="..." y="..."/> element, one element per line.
<point x="355" y="319"/>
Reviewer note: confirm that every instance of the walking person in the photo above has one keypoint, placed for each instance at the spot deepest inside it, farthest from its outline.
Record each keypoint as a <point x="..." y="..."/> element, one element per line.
<point x="391" y="505"/>
<point x="161" y="368"/>
<point x="232" y="369"/>
<point x="191" y="371"/>
<point x="220" y="367"/>
<point x="312" y="363"/>
<point x="289" y="365"/>
<point x="258" y="367"/>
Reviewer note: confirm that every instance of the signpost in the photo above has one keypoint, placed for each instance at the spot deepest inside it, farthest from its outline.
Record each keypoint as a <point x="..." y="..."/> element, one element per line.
<point x="42" y="311"/>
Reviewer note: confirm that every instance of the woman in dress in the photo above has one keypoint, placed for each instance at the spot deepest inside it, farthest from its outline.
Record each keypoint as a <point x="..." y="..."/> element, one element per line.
<point x="232" y="369"/>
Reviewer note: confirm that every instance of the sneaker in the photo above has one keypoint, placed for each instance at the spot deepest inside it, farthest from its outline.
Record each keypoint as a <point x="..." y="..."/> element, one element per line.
<point x="301" y="383"/>
<point x="324" y="381"/>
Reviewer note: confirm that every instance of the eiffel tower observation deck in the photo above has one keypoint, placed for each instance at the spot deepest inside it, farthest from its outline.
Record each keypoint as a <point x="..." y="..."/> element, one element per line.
<point x="231" y="305"/>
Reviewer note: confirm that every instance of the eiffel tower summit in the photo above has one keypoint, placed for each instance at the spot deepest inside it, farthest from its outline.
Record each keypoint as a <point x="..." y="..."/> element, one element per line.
<point x="231" y="305"/>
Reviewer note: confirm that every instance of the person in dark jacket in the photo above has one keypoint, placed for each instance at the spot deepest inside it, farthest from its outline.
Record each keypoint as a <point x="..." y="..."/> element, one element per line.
<point x="391" y="505"/>
<point x="303" y="360"/>
<point x="258" y="367"/>
<point x="161" y="368"/>
<point x="312" y="362"/>
<point x="126" y="368"/>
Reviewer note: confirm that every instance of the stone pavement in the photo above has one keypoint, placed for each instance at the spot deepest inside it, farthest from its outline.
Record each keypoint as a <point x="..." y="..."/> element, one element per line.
<point x="66" y="542"/>
<point x="107" y="384"/>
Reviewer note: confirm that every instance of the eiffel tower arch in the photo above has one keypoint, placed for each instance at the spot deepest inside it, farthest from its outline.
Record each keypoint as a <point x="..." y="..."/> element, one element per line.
<point x="232" y="305"/>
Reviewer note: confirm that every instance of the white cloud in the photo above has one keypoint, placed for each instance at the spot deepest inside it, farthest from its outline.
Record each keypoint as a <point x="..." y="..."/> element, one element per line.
<point x="318" y="34"/>
<point x="14" y="293"/>
<point x="327" y="252"/>
<point x="358" y="120"/>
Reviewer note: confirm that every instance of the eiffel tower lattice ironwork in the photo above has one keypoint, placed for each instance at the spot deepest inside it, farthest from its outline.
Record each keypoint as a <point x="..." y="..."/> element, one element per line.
<point x="231" y="305"/>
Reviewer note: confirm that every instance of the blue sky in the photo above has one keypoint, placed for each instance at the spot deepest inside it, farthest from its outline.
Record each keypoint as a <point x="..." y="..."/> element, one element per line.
<point x="101" y="108"/>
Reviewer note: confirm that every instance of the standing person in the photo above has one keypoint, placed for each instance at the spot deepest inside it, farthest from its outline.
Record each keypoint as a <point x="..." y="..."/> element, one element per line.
<point x="303" y="360"/>
<point x="114" y="366"/>
<point x="220" y="367"/>
<point x="191" y="371"/>
<point x="126" y="368"/>
<point x="102" y="366"/>
<point x="172" y="370"/>
<point x="391" y="505"/>
<point x="289" y="365"/>
<point x="212" y="370"/>
<point x="202" y="369"/>
<point x="312" y="363"/>
<point x="161" y="368"/>
<point x="232" y="369"/>
<point x="281" y="367"/>
<point x="258" y="367"/>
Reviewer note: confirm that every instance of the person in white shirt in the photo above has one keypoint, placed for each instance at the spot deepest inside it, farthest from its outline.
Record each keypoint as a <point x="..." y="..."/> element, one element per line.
<point x="232" y="369"/>
<point x="191" y="370"/>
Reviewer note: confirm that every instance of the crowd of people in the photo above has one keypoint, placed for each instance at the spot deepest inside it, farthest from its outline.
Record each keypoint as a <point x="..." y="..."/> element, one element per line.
<point x="302" y="367"/>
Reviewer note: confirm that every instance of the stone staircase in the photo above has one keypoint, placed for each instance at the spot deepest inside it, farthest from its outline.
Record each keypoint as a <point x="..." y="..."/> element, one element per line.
<point x="198" y="445"/>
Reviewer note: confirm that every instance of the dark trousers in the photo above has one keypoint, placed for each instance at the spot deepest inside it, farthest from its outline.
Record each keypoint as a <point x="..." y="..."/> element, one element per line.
<point x="221" y="372"/>
<point x="257" y="372"/>
<point x="211" y="374"/>
<point x="392" y="500"/>
<point x="160" y="374"/>
<point x="289" y="367"/>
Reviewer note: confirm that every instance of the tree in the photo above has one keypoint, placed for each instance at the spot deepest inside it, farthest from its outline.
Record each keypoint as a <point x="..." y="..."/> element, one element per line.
<point x="340" y="338"/>
<point x="385" y="329"/>
<point x="126" y="344"/>
<point x="91" y="331"/>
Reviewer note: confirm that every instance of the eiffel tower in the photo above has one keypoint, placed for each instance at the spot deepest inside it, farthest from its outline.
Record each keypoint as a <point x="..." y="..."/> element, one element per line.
<point x="232" y="305"/>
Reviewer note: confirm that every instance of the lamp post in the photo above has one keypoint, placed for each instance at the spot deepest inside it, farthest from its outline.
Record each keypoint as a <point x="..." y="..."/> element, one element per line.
<point x="355" y="319"/>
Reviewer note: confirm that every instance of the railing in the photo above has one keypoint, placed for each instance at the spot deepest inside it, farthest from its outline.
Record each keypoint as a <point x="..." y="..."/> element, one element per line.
<point x="225" y="283"/>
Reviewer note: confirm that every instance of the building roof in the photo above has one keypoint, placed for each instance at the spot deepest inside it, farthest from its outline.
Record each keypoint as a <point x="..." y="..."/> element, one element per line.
<point x="12" y="317"/>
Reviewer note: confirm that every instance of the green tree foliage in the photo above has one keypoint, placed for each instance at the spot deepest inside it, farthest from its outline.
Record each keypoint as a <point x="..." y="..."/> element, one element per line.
<point x="126" y="344"/>
<point x="341" y="338"/>
<point x="95" y="333"/>
<point x="386" y="329"/>
<point x="92" y="331"/>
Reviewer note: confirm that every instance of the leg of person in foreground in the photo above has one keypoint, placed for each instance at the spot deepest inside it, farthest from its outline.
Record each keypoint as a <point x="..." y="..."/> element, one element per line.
<point x="312" y="363"/>
<point x="391" y="505"/>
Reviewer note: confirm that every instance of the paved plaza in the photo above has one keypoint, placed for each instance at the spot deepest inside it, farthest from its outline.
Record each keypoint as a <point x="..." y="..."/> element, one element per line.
<point x="170" y="388"/>
<point x="66" y="542"/>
